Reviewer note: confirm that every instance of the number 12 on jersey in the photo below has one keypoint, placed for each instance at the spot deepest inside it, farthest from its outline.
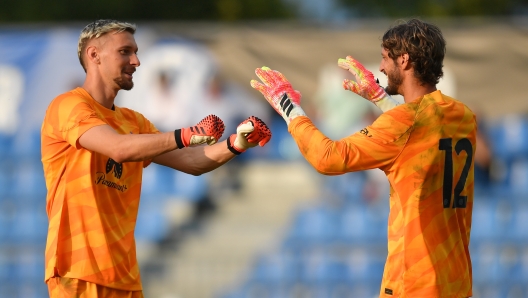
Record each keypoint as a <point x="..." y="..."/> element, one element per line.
<point x="447" y="146"/>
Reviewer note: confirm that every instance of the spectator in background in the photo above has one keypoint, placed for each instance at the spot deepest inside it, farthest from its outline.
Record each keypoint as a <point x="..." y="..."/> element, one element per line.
<point x="342" y="113"/>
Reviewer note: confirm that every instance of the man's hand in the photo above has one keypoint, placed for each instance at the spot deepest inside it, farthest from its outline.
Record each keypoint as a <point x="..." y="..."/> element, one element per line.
<point x="365" y="85"/>
<point x="279" y="93"/>
<point x="250" y="133"/>
<point x="209" y="131"/>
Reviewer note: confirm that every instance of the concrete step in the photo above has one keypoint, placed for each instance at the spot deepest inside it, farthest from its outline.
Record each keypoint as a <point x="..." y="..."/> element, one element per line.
<point x="246" y="224"/>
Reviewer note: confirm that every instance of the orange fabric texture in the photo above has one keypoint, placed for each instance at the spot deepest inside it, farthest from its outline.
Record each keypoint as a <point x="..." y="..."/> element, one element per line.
<point x="425" y="148"/>
<point x="63" y="287"/>
<point x="92" y="201"/>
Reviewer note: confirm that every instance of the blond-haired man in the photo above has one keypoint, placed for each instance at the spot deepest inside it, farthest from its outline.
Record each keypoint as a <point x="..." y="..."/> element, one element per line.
<point x="93" y="154"/>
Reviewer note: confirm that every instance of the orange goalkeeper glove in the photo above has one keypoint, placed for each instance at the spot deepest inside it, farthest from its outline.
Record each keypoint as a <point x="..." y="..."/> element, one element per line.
<point x="365" y="85"/>
<point x="279" y="93"/>
<point x="250" y="133"/>
<point x="209" y="131"/>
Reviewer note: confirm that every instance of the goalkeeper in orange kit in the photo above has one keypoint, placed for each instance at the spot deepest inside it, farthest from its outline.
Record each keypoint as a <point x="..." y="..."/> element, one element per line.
<point x="425" y="147"/>
<point x="94" y="152"/>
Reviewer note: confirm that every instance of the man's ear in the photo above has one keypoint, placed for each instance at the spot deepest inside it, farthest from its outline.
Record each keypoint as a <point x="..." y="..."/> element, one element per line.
<point x="92" y="54"/>
<point x="405" y="63"/>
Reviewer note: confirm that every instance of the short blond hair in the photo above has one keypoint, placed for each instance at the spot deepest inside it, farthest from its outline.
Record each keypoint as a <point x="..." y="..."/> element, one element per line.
<point x="98" y="28"/>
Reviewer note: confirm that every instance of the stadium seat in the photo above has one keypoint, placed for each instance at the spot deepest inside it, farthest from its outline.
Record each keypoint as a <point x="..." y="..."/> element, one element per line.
<point x="29" y="226"/>
<point x="485" y="262"/>
<point x="5" y="178"/>
<point x="510" y="137"/>
<point x="26" y="143"/>
<point x="276" y="268"/>
<point x="5" y="144"/>
<point x="163" y="183"/>
<point x="158" y="181"/>
<point x="316" y="224"/>
<point x="349" y="186"/>
<point x="7" y="218"/>
<point x="190" y="188"/>
<point x="483" y="226"/>
<point x="28" y="178"/>
<point x="151" y="224"/>
<point x="519" y="229"/>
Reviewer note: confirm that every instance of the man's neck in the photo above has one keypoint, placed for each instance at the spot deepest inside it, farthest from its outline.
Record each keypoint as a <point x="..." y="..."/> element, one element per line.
<point x="101" y="93"/>
<point x="412" y="90"/>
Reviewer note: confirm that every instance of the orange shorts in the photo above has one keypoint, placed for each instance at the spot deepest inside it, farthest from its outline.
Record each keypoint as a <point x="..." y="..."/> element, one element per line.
<point x="63" y="287"/>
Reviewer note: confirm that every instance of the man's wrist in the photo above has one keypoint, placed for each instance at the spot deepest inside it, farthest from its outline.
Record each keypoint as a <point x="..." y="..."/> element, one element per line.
<point x="231" y="146"/>
<point x="386" y="103"/>
<point x="178" y="138"/>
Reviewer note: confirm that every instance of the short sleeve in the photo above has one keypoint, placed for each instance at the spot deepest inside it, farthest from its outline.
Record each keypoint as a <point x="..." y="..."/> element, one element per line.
<point x="145" y="126"/>
<point x="71" y="117"/>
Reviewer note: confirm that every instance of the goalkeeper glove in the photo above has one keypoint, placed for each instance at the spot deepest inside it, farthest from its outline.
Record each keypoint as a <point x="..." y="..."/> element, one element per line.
<point x="209" y="131"/>
<point x="250" y="133"/>
<point x="279" y="93"/>
<point x="365" y="85"/>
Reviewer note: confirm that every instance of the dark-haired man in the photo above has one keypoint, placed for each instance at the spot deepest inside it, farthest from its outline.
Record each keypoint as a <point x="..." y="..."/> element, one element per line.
<point x="425" y="147"/>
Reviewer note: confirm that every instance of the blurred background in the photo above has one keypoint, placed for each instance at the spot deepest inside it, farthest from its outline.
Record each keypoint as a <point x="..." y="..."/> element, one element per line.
<point x="266" y="224"/>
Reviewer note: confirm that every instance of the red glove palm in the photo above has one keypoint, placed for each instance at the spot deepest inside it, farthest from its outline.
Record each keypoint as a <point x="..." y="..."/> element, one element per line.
<point x="250" y="133"/>
<point x="209" y="131"/>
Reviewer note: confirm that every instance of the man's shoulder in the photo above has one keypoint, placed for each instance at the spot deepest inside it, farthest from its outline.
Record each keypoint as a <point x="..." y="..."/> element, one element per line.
<point x="71" y="97"/>
<point x="129" y="113"/>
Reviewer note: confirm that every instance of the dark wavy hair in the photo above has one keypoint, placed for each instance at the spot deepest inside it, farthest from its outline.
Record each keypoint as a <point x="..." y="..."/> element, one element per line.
<point x="424" y="44"/>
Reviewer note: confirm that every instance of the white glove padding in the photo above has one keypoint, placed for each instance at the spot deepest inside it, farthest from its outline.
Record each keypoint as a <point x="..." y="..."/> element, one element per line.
<point x="242" y="131"/>
<point x="250" y="133"/>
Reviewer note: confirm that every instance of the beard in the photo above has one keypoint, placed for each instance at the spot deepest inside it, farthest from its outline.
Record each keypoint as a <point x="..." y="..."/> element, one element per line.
<point x="394" y="81"/>
<point x="124" y="84"/>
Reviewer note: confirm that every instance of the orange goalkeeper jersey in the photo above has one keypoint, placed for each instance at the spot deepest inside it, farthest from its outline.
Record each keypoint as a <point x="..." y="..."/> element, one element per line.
<point x="92" y="201"/>
<point x="426" y="149"/>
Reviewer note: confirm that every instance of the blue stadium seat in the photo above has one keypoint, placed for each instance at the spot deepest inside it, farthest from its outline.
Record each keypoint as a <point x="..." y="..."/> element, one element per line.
<point x="28" y="179"/>
<point x="519" y="229"/>
<point x="6" y="141"/>
<point x="510" y="137"/>
<point x="30" y="226"/>
<point x="485" y="262"/>
<point x="365" y="264"/>
<point x="313" y="225"/>
<point x="5" y="177"/>
<point x="483" y="227"/>
<point x="26" y="143"/>
<point x="7" y="218"/>
<point x="189" y="187"/>
<point x="504" y="219"/>
<point x="151" y="224"/>
<point x="163" y="182"/>
<point x="158" y="181"/>
<point x="276" y="268"/>
<point x="353" y="226"/>
<point x="6" y="264"/>
<point x="349" y="186"/>
<point x="29" y="267"/>
<point x="364" y="223"/>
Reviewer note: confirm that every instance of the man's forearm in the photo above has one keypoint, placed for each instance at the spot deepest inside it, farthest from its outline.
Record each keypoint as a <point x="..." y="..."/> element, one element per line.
<point x="105" y="140"/>
<point x="197" y="160"/>
<point x="145" y="146"/>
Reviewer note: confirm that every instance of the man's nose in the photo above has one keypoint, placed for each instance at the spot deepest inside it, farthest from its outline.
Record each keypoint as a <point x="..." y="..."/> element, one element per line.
<point x="135" y="60"/>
